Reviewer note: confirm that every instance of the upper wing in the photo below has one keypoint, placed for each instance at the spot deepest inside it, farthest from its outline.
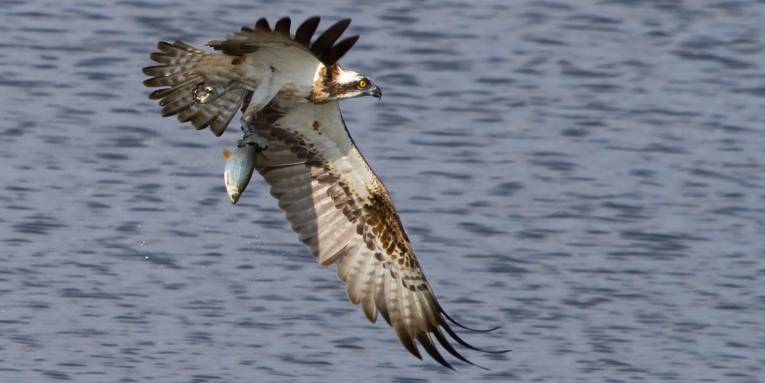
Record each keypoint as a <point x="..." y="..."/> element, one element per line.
<point x="227" y="79"/>
<point x="343" y="212"/>
<point x="249" y="40"/>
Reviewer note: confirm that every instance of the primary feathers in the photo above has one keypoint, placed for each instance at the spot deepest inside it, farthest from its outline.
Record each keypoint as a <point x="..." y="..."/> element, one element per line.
<point x="288" y="86"/>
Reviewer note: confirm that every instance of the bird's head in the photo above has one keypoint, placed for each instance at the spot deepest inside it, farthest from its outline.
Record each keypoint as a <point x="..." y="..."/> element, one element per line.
<point x="335" y="83"/>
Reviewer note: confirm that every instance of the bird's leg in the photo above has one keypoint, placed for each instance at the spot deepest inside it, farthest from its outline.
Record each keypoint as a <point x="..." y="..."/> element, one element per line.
<point x="256" y="100"/>
<point x="262" y="96"/>
<point x="247" y="127"/>
<point x="251" y="137"/>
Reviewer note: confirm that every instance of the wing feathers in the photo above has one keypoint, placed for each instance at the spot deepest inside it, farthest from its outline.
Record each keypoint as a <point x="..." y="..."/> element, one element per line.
<point x="248" y="40"/>
<point x="306" y="30"/>
<point x="342" y="212"/>
<point x="262" y="25"/>
<point x="325" y="41"/>
<point x="397" y="318"/>
<point x="331" y="198"/>
<point x="361" y="273"/>
<point x="184" y="70"/>
<point x="369" y="291"/>
<point x="283" y="26"/>
<point x="431" y="349"/>
<point x="334" y="54"/>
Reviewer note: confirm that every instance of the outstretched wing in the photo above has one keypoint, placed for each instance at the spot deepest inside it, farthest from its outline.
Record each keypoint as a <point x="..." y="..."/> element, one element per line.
<point x="244" y="67"/>
<point x="250" y="40"/>
<point x="183" y="72"/>
<point x="343" y="212"/>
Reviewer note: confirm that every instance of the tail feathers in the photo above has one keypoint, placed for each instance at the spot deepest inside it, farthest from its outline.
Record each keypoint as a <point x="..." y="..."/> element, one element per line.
<point x="189" y="93"/>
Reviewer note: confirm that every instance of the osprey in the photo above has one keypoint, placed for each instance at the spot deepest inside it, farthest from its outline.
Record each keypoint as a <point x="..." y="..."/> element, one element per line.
<point x="288" y="88"/>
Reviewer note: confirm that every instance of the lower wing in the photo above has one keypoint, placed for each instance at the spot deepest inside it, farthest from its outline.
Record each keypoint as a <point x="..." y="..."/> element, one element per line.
<point x="343" y="213"/>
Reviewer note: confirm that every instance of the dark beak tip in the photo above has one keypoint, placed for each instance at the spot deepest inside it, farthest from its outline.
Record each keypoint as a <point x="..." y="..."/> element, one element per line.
<point x="377" y="93"/>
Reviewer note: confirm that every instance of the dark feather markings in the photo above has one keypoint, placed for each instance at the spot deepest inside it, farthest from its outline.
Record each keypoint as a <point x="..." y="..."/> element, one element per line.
<point x="461" y="341"/>
<point x="427" y="344"/>
<point x="161" y="93"/>
<point x="283" y="26"/>
<point x="423" y="337"/>
<point x="155" y="70"/>
<point x="324" y="47"/>
<point x="446" y="345"/>
<point x="201" y="120"/>
<point x="306" y="30"/>
<point x="178" y="93"/>
<point x="336" y="52"/>
<point x="325" y="41"/>
<point x="458" y="324"/>
<point x="262" y="25"/>
<point x="431" y="327"/>
<point x="407" y="341"/>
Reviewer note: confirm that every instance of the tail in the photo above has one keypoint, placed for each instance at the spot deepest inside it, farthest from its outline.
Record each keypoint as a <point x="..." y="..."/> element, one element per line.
<point x="189" y="91"/>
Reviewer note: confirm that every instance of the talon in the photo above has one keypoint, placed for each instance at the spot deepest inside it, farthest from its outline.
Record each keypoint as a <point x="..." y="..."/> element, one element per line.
<point x="246" y="127"/>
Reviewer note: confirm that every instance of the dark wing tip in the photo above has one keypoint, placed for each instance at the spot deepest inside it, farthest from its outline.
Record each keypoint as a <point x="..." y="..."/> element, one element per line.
<point x="427" y="344"/>
<point x="329" y="37"/>
<point x="445" y="344"/>
<point x="334" y="54"/>
<point x="306" y="30"/>
<point x="217" y="130"/>
<point x="164" y="45"/>
<point x="323" y="47"/>
<point x="160" y="94"/>
<point x="283" y="26"/>
<point x="458" y="324"/>
<point x="151" y="70"/>
<point x="466" y="344"/>
<point x="262" y="25"/>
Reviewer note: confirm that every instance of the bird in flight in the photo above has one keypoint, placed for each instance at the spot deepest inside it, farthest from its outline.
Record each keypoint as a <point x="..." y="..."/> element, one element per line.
<point x="288" y="87"/>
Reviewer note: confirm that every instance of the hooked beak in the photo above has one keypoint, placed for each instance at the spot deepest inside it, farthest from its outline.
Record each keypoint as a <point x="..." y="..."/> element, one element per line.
<point x="375" y="92"/>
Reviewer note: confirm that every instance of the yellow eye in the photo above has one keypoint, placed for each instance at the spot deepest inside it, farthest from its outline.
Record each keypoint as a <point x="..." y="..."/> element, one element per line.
<point x="363" y="83"/>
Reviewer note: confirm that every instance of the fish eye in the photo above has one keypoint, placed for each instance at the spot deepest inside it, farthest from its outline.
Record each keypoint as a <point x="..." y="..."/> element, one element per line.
<point x="363" y="83"/>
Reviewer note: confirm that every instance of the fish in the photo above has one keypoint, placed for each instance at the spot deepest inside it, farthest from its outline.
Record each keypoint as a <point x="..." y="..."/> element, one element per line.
<point x="239" y="165"/>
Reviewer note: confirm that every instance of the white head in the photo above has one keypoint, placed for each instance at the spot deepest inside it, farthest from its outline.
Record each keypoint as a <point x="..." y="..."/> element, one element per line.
<point x="335" y="83"/>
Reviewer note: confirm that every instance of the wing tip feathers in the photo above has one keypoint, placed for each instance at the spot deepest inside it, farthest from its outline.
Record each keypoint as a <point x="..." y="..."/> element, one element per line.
<point x="325" y="47"/>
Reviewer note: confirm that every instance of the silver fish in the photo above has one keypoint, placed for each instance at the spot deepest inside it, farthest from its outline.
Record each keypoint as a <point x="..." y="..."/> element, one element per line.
<point x="239" y="166"/>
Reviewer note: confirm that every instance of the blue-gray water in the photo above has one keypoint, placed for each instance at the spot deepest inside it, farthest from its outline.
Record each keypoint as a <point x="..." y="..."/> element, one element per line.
<point x="590" y="175"/>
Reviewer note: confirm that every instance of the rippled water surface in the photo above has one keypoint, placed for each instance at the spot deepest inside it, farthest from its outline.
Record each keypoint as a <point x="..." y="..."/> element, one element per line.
<point x="590" y="175"/>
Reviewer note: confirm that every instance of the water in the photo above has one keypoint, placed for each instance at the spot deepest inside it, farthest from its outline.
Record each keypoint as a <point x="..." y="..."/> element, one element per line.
<point x="589" y="176"/>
